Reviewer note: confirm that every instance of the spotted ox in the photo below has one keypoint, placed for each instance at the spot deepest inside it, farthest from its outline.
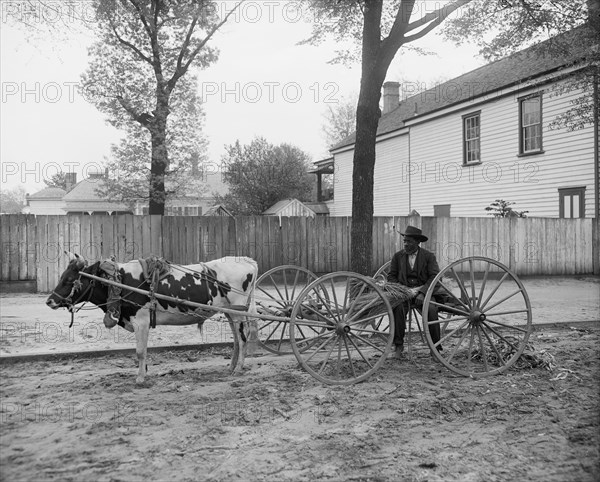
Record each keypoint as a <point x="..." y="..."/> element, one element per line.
<point x="227" y="282"/>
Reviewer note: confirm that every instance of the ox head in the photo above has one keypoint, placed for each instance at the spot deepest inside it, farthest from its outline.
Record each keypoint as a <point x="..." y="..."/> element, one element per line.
<point x="70" y="286"/>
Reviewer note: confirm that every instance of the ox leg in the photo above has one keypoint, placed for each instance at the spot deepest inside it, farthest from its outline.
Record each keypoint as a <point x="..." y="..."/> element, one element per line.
<point x="236" y="345"/>
<point x="142" y="329"/>
<point x="251" y="332"/>
<point x="240" y="346"/>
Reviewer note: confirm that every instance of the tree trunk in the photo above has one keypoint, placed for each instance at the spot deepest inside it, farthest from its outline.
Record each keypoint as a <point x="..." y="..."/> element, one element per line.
<point x="160" y="159"/>
<point x="367" y="120"/>
<point x="157" y="173"/>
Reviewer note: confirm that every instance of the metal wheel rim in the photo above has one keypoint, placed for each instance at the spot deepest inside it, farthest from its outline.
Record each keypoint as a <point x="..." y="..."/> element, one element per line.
<point x="495" y="337"/>
<point x="346" y="352"/>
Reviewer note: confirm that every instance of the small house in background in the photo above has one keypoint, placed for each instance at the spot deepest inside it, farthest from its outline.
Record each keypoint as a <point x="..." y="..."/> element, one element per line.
<point x="217" y="210"/>
<point x="48" y="201"/>
<point x="190" y="203"/>
<point x="83" y="198"/>
<point x="289" y="207"/>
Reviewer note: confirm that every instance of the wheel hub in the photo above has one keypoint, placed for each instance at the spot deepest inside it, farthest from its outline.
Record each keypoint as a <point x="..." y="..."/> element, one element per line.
<point x="342" y="329"/>
<point x="477" y="316"/>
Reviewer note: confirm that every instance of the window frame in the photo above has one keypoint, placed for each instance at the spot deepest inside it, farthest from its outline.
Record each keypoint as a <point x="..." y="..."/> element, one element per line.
<point x="465" y="141"/>
<point x="570" y="192"/>
<point x="522" y="100"/>
<point x="442" y="210"/>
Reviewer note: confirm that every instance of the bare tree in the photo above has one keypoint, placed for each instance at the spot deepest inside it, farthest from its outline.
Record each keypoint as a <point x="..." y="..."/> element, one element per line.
<point x="340" y="120"/>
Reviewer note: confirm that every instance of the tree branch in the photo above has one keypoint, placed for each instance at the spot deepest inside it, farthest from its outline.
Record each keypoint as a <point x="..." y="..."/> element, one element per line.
<point x="180" y="71"/>
<point x="128" y="44"/>
<point x="152" y="36"/>
<point x="395" y="38"/>
<point x="144" y="119"/>
<point x="432" y="20"/>
<point x="186" y="43"/>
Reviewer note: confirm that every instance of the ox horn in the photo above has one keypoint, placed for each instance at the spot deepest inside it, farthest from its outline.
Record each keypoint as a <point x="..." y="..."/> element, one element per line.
<point x="80" y="260"/>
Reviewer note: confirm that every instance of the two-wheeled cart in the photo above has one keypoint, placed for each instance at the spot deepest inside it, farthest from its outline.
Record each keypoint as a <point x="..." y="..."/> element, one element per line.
<point x="337" y="337"/>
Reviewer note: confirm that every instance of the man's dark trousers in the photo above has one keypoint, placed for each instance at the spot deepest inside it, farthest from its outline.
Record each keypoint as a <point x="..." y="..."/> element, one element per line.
<point x="400" y="315"/>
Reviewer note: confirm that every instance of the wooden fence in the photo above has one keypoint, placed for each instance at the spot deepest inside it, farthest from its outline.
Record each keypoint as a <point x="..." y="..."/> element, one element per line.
<point x="33" y="246"/>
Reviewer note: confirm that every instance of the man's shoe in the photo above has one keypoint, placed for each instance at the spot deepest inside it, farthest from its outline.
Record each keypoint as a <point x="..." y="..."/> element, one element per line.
<point x="397" y="353"/>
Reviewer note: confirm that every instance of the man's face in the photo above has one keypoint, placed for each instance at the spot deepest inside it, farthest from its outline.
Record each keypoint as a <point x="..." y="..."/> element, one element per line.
<point x="410" y="244"/>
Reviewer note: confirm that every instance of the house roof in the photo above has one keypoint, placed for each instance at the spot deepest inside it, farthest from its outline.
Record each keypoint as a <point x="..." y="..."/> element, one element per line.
<point x="85" y="190"/>
<point x="318" y="207"/>
<point x="216" y="210"/>
<point x="49" y="193"/>
<point x="562" y="51"/>
<point x="284" y="203"/>
<point x="83" y="197"/>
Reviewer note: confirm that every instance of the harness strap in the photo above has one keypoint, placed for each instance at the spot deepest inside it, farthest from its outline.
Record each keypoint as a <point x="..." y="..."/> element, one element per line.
<point x="113" y="302"/>
<point x="154" y="269"/>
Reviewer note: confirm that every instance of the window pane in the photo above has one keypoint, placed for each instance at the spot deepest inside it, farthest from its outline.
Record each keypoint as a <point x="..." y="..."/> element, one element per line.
<point x="575" y="198"/>
<point x="567" y="206"/>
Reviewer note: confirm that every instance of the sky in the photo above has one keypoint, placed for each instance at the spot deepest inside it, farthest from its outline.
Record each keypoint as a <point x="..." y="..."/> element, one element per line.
<point x="263" y="84"/>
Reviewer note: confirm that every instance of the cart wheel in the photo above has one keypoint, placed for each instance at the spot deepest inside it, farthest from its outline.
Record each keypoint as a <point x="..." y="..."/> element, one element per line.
<point x="352" y="316"/>
<point x="276" y="292"/>
<point x="490" y="316"/>
<point x="381" y="274"/>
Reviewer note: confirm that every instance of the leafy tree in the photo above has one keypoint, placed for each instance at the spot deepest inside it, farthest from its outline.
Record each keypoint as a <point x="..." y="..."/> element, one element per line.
<point x="144" y="50"/>
<point x="57" y="180"/>
<point x="260" y="174"/>
<point x="130" y="165"/>
<point x="502" y="209"/>
<point x="381" y="28"/>
<point x="12" y="201"/>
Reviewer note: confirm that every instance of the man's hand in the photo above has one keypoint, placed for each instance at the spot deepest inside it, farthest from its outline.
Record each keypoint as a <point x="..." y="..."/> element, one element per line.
<point x="419" y="299"/>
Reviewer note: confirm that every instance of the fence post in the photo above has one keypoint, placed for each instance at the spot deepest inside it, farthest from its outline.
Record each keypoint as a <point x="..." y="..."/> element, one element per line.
<point x="596" y="245"/>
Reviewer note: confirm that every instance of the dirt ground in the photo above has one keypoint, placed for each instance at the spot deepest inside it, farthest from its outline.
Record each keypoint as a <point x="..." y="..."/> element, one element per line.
<point x="85" y="419"/>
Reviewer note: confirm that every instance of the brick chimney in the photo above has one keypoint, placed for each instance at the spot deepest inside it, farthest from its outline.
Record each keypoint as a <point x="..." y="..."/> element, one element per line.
<point x="71" y="180"/>
<point x="391" y="96"/>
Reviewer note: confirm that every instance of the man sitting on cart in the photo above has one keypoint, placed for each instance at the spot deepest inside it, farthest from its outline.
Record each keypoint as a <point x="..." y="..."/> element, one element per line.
<point x="414" y="267"/>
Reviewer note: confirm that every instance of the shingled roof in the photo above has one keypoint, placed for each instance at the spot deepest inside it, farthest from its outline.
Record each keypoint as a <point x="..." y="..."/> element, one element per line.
<point x="49" y="193"/>
<point x="550" y="56"/>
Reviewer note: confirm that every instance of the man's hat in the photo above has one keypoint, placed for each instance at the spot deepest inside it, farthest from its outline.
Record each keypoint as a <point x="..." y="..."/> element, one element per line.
<point x="415" y="233"/>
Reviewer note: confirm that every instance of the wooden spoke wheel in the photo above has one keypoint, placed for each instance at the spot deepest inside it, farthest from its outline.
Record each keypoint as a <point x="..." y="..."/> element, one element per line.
<point x="276" y="292"/>
<point x="352" y="317"/>
<point x="486" y="319"/>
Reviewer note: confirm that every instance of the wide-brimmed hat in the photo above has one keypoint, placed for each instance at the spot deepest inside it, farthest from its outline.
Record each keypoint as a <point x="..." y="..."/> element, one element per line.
<point x="415" y="233"/>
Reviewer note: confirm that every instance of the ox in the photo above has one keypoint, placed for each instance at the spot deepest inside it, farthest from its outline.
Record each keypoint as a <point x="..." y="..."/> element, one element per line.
<point x="227" y="282"/>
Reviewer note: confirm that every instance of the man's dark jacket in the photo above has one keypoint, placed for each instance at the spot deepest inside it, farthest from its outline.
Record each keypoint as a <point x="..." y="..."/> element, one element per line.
<point x="425" y="265"/>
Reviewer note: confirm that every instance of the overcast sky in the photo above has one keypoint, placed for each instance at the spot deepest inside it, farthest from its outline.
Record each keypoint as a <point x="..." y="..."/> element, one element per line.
<point x="263" y="84"/>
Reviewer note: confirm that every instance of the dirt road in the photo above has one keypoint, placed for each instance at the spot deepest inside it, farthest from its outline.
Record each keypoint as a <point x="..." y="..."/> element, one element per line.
<point x="84" y="419"/>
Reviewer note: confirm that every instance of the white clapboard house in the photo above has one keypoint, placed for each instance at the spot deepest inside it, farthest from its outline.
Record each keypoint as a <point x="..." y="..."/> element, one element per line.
<point x="486" y="135"/>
